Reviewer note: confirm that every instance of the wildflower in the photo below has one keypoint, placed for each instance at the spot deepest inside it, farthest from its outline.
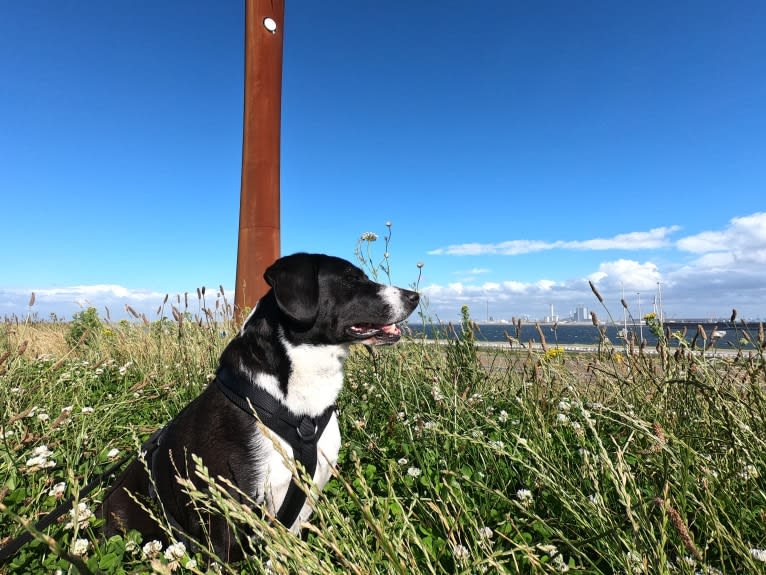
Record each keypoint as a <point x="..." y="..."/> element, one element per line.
<point x="40" y="459"/>
<point x="748" y="472"/>
<point x="461" y="552"/>
<point x="758" y="554"/>
<point x="414" y="472"/>
<point x="429" y="425"/>
<point x="562" y="418"/>
<point x="80" y="547"/>
<point x="559" y="565"/>
<point x="114" y="452"/>
<point x="420" y="265"/>
<point x="497" y="444"/>
<point x="67" y="410"/>
<point x="175" y="551"/>
<point x="503" y="417"/>
<point x="485" y="533"/>
<point x="57" y="490"/>
<point x="191" y="564"/>
<point x="131" y="546"/>
<point x="87" y="410"/>
<point x="402" y="461"/>
<point x="151" y="549"/>
<point x="635" y="562"/>
<point x="42" y="451"/>
<point x="525" y="497"/>
<point x="564" y="405"/>
<point x="369" y="237"/>
<point x="7" y="434"/>
<point x="99" y="370"/>
<point x="437" y="394"/>
<point x="80" y="515"/>
<point x="42" y="416"/>
<point x="548" y="549"/>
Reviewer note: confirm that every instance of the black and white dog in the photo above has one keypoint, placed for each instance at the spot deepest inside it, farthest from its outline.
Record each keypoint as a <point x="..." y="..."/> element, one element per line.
<point x="286" y="365"/>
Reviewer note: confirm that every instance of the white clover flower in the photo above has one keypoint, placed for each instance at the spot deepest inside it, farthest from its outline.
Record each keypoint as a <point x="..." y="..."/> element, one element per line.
<point x="42" y="416"/>
<point x="758" y="554"/>
<point x="636" y="562"/>
<point x="503" y="417"/>
<point x="461" y="552"/>
<point x="522" y="441"/>
<point x="564" y="405"/>
<point x="562" y="418"/>
<point x="429" y="425"/>
<point x="191" y="564"/>
<point x="99" y="370"/>
<point x="748" y="472"/>
<point x="401" y="416"/>
<point x="87" y="410"/>
<point x="42" y="451"/>
<point x="80" y="547"/>
<point x="525" y="497"/>
<point x="485" y="533"/>
<point x="175" y="551"/>
<point x="80" y="515"/>
<point x="114" y="452"/>
<point x="67" y="410"/>
<point x="477" y="434"/>
<point x="151" y="549"/>
<point x="437" y="393"/>
<point x="497" y="444"/>
<point x="402" y="461"/>
<point x="57" y="490"/>
<point x="131" y="546"/>
<point x="559" y="564"/>
<point x="548" y="549"/>
<point x="414" y="472"/>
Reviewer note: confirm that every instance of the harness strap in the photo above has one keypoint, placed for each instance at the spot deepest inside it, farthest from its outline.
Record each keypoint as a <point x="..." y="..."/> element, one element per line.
<point x="301" y="433"/>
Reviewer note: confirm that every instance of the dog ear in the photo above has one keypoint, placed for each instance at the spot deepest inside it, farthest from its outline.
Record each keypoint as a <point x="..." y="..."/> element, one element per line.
<point x="295" y="282"/>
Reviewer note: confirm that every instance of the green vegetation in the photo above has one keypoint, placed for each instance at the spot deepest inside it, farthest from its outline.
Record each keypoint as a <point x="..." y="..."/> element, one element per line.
<point x="455" y="459"/>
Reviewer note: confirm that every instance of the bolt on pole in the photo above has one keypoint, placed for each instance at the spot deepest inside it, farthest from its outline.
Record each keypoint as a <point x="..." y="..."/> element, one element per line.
<point x="259" y="225"/>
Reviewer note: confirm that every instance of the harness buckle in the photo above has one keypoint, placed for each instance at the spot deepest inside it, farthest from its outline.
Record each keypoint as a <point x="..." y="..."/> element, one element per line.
<point x="307" y="430"/>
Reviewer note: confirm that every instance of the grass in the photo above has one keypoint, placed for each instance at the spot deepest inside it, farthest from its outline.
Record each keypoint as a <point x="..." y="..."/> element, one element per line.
<point x="454" y="460"/>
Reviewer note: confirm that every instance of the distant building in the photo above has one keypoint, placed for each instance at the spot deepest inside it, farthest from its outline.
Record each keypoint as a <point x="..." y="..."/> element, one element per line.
<point x="581" y="313"/>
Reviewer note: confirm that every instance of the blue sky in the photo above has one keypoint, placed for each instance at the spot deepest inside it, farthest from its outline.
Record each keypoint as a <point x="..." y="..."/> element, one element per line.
<point x="519" y="149"/>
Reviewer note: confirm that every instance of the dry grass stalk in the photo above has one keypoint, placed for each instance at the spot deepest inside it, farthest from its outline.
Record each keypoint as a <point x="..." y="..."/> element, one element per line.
<point x="733" y="315"/>
<point x="680" y="527"/>
<point x="595" y="291"/>
<point x="594" y="318"/>
<point x="32" y="299"/>
<point x="131" y="311"/>
<point x="542" y="336"/>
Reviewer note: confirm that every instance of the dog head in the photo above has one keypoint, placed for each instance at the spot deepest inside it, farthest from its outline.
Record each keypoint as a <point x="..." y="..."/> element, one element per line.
<point x="325" y="299"/>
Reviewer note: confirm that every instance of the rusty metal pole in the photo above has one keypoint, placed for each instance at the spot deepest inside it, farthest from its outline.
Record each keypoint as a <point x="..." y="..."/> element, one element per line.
<point x="258" y="244"/>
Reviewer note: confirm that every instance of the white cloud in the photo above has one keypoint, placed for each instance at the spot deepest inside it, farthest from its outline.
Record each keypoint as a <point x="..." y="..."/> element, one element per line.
<point x="630" y="274"/>
<point x="653" y="239"/>
<point x="743" y="241"/>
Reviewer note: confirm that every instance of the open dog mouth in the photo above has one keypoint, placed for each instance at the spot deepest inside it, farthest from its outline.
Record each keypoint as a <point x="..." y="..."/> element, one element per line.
<point x="375" y="334"/>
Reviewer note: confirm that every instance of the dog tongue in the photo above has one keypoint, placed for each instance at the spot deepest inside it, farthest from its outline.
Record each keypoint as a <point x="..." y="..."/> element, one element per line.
<point x="392" y="329"/>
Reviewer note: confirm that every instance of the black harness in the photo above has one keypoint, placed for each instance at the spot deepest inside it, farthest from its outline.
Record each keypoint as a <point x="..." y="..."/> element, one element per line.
<point x="302" y="433"/>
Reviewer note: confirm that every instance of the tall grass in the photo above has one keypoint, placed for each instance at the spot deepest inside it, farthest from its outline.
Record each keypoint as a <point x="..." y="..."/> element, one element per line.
<point x="455" y="459"/>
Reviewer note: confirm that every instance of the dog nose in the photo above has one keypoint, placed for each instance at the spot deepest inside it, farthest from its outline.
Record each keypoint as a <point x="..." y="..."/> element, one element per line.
<point x="412" y="297"/>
